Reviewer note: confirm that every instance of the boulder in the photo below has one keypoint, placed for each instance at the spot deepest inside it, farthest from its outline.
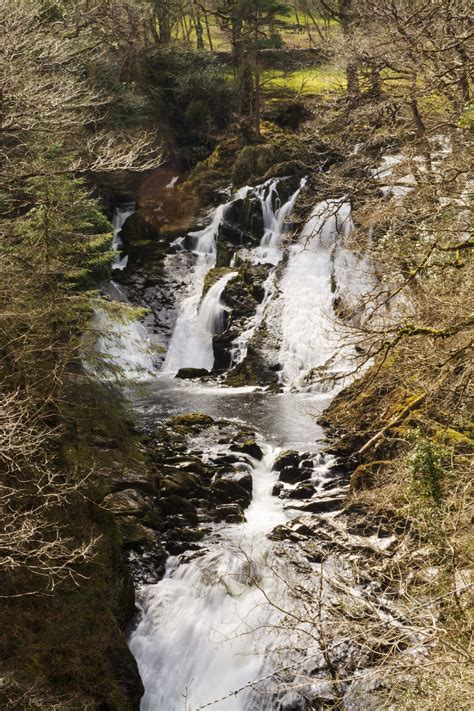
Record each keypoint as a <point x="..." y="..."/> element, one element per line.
<point x="226" y="490"/>
<point x="321" y="505"/>
<point x="231" y="513"/>
<point x="174" y="504"/>
<point x="290" y="457"/>
<point x="190" y="373"/>
<point x="292" y="475"/>
<point x="302" y="491"/>
<point x="249" y="447"/>
<point x="277" y="488"/>
<point x="127" y="502"/>
<point x="181" y="482"/>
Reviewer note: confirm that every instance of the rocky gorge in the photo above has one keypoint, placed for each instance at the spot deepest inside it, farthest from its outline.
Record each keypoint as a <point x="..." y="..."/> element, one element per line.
<point x="239" y="513"/>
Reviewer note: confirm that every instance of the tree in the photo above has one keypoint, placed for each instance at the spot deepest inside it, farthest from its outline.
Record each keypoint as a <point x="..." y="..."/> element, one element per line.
<point x="55" y="249"/>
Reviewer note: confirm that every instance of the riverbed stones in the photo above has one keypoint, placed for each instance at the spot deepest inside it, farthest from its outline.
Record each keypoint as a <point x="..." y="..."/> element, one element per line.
<point x="230" y="513"/>
<point x="249" y="447"/>
<point x="191" y="373"/>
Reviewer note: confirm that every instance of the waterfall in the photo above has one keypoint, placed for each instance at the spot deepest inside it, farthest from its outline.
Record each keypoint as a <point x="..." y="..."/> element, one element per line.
<point x="306" y="315"/>
<point x="191" y="342"/>
<point x="124" y="345"/>
<point x="273" y="219"/>
<point x="120" y="216"/>
<point x="212" y="630"/>
<point x="212" y="311"/>
<point x="206" y="619"/>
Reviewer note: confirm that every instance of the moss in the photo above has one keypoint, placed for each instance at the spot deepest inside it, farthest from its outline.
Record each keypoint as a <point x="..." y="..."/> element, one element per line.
<point x="213" y="276"/>
<point x="453" y="436"/>
<point x="254" y="161"/>
<point x="191" y="422"/>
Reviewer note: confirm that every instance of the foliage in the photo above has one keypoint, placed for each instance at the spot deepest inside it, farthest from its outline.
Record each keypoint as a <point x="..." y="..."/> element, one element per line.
<point x="425" y="464"/>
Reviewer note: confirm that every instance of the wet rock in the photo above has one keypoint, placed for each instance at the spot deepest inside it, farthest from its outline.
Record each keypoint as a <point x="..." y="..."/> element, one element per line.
<point x="178" y="505"/>
<point x="249" y="447"/>
<point x="289" y="457"/>
<point x="302" y="491"/>
<point x="242" y="223"/>
<point x="321" y="505"/>
<point x="277" y="488"/>
<point x="292" y="475"/>
<point x="191" y="422"/>
<point x="231" y="513"/>
<point x="190" y="373"/>
<point x="228" y="490"/>
<point x="181" y="482"/>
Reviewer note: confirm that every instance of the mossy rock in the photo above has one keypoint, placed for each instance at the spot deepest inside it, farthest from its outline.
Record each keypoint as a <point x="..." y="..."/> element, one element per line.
<point x="191" y="373"/>
<point x="181" y="482"/>
<point x="254" y="161"/>
<point x="191" y="422"/>
<point x="138" y="230"/>
<point x="290" y="457"/>
<point x="249" y="447"/>
<point x="213" y="276"/>
<point x="252" y="371"/>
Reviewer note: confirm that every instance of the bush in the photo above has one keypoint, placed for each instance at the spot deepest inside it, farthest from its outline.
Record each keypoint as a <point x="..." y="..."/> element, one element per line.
<point x="425" y="464"/>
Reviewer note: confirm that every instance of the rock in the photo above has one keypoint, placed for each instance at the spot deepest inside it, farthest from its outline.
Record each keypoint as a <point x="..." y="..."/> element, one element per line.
<point x="181" y="482"/>
<point x="127" y="502"/>
<point x="193" y="421"/>
<point x="178" y="505"/>
<point x="124" y="668"/>
<point x="292" y="475"/>
<point x="289" y="457"/>
<point x="138" y="229"/>
<point x="277" y="488"/>
<point x="302" y="491"/>
<point x="227" y="491"/>
<point x="249" y="447"/>
<point x="321" y="505"/>
<point x="231" y="513"/>
<point x="190" y="373"/>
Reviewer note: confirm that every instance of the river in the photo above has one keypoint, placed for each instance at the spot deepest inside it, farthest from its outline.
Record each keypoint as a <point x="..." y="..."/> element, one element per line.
<point x="214" y="632"/>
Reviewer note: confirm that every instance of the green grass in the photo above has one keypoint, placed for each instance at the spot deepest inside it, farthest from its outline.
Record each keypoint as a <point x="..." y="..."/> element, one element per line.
<point x="308" y="82"/>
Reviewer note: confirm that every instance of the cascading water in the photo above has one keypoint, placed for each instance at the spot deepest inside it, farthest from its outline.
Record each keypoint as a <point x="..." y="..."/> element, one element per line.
<point x="124" y="344"/>
<point x="275" y="215"/>
<point x="210" y="628"/>
<point x="309" y="338"/>
<point x="204" y="621"/>
<point x="212" y="312"/>
<point x="119" y="218"/>
<point x="191" y="342"/>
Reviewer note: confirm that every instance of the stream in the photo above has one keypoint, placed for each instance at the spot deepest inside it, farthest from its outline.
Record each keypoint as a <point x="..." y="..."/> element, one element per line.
<point x="214" y="632"/>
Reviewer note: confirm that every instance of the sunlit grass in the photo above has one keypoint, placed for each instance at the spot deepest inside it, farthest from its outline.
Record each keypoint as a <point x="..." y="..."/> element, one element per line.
<point x="314" y="80"/>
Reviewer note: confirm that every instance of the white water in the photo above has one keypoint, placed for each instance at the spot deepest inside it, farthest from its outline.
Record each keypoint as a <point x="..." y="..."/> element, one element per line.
<point x="124" y="344"/>
<point x="191" y="342"/>
<point x="309" y="338"/>
<point x="205" y="621"/>
<point x="212" y="311"/>
<point x="120" y="216"/>
<point x="273" y="220"/>
<point x="208" y="629"/>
